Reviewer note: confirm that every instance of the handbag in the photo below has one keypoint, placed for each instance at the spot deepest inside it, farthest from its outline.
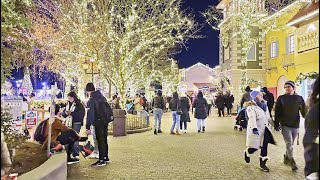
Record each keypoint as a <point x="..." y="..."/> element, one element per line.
<point x="179" y="112"/>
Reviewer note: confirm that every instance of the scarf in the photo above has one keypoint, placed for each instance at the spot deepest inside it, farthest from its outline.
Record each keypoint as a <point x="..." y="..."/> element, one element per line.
<point x="262" y="105"/>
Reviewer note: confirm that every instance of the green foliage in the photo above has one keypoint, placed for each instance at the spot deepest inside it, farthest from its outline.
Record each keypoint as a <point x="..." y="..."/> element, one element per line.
<point x="12" y="137"/>
<point x="15" y="37"/>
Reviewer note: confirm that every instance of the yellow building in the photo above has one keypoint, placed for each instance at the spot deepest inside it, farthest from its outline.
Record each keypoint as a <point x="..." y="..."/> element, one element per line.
<point x="293" y="49"/>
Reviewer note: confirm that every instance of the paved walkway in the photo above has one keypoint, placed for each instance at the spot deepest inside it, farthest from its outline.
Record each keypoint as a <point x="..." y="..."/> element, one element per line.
<point x="215" y="154"/>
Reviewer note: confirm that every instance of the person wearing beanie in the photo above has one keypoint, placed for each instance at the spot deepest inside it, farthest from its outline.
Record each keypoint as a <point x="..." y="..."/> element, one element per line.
<point x="96" y="99"/>
<point x="258" y="131"/>
<point x="245" y="97"/>
<point x="200" y="106"/>
<point x="287" y="114"/>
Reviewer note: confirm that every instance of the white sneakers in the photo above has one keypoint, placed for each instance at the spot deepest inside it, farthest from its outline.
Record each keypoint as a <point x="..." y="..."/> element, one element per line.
<point x="94" y="155"/>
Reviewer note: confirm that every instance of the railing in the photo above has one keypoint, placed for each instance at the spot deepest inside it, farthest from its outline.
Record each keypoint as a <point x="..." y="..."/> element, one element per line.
<point x="308" y="41"/>
<point x="271" y="64"/>
<point x="288" y="59"/>
<point x="133" y="122"/>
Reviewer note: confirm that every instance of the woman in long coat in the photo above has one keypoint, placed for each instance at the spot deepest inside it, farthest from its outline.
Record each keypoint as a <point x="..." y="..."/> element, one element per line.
<point x="200" y="113"/>
<point x="258" y="130"/>
<point x="185" y="107"/>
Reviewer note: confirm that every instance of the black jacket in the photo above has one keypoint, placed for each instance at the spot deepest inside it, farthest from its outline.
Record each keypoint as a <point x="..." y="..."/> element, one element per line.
<point x="311" y="149"/>
<point x="287" y="110"/>
<point x="201" y="108"/>
<point x="158" y="102"/>
<point x="270" y="100"/>
<point x="91" y="114"/>
<point x="174" y="104"/>
<point x="77" y="114"/>
<point x="220" y="102"/>
<point x="245" y="98"/>
<point x="229" y="101"/>
<point x="185" y="107"/>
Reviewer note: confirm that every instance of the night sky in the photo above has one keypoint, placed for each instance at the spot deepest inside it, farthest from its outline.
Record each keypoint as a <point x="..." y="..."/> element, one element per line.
<point x="204" y="50"/>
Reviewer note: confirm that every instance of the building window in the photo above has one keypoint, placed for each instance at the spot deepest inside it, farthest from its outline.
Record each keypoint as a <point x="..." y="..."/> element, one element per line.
<point x="252" y="53"/>
<point x="290" y="44"/>
<point x="273" y="49"/>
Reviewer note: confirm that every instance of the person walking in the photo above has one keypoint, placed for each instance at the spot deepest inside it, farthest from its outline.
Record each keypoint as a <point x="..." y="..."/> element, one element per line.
<point x="245" y="97"/>
<point x="94" y="104"/>
<point x="220" y="103"/>
<point x="311" y="136"/>
<point x="75" y="111"/>
<point x="268" y="96"/>
<point x="287" y="115"/>
<point x="185" y="107"/>
<point x="229" y="102"/>
<point x="258" y="131"/>
<point x="209" y="99"/>
<point x="158" y="107"/>
<point x="175" y="106"/>
<point x="200" y="106"/>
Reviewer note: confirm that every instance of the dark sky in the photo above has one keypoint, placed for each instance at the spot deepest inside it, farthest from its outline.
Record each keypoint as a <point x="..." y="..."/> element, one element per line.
<point x="204" y="50"/>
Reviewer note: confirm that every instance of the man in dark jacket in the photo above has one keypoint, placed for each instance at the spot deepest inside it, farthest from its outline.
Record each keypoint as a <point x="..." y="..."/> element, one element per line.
<point x="200" y="106"/>
<point x="245" y="97"/>
<point x="287" y="111"/>
<point x="229" y="102"/>
<point x="220" y="103"/>
<point x="268" y="96"/>
<point x="100" y="126"/>
<point x="158" y="107"/>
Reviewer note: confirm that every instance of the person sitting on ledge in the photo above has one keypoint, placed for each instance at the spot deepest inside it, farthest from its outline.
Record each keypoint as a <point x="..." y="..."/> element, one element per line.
<point x="62" y="135"/>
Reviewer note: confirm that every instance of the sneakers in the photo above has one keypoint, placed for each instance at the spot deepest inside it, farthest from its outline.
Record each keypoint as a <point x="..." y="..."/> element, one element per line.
<point x="263" y="166"/>
<point x="73" y="160"/>
<point x="106" y="159"/>
<point x="246" y="156"/>
<point x="235" y="128"/>
<point x="313" y="176"/>
<point x="286" y="159"/>
<point x="185" y="131"/>
<point x="94" y="155"/>
<point x="203" y="129"/>
<point x="99" y="163"/>
<point x="159" y="131"/>
<point x="240" y="128"/>
<point x="199" y="131"/>
<point x="155" y="132"/>
<point x="177" y="133"/>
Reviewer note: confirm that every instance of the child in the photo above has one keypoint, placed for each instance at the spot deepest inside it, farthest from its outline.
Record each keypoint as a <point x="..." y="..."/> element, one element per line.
<point x="241" y="120"/>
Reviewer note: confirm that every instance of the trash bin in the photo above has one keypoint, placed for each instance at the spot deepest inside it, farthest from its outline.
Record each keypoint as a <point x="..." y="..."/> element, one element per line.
<point x="119" y="123"/>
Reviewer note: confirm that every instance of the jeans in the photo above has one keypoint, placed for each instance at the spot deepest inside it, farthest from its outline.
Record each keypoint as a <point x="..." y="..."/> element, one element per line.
<point x="289" y="135"/>
<point x="102" y="134"/>
<point x="96" y="149"/>
<point x="76" y="126"/>
<point x="185" y="125"/>
<point x="176" y="121"/>
<point x="201" y="123"/>
<point x="220" y="110"/>
<point x="145" y="115"/>
<point x="157" y="118"/>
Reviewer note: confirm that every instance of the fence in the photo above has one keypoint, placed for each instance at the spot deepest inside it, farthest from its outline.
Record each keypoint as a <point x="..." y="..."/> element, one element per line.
<point x="133" y="122"/>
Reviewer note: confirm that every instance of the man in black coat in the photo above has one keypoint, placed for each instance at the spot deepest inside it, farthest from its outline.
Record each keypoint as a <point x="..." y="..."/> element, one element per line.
<point x="268" y="96"/>
<point x="200" y="106"/>
<point x="229" y="99"/>
<point x="220" y="103"/>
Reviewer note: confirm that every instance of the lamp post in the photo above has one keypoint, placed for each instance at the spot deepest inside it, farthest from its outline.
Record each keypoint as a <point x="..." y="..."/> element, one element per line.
<point x="91" y="63"/>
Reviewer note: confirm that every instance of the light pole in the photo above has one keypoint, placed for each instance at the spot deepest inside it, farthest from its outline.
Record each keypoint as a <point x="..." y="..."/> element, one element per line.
<point x="91" y="63"/>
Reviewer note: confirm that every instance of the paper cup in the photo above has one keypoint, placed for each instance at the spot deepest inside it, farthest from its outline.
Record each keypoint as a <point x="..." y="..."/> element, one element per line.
<point x="13" y="176"/>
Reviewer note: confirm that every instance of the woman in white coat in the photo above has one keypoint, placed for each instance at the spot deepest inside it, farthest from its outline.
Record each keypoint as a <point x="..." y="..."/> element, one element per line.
<point x="258" y="130"/>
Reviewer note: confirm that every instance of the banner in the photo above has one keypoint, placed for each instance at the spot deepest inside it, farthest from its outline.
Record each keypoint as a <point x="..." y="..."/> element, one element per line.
<point x="31" y="118"/>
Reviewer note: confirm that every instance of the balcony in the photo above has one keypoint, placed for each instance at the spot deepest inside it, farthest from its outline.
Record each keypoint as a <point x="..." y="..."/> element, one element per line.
<point x="287" y="60"/>
<point x="271" y="64"/>
<point x="308" y="41"/>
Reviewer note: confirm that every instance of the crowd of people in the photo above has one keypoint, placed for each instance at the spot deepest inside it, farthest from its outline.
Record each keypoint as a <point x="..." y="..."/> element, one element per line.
<point x="255" y="109"/>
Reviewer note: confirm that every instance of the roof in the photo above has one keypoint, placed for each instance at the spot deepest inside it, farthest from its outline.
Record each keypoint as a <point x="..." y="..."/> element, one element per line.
<point x="202" y="85"/>
<point x="198" y="64"/>
<point x="309" y="11"/>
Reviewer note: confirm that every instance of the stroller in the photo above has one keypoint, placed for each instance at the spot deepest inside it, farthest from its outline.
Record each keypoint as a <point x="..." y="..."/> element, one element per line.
<point x="241" y="120"/>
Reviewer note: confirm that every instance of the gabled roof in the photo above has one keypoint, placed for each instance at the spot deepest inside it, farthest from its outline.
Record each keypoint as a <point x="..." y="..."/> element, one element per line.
<point x="309" y="11"/>
<point x="198" y="64"/>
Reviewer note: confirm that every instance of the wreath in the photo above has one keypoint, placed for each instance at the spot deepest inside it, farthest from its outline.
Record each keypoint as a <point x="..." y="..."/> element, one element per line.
<point x="304" y="76"/>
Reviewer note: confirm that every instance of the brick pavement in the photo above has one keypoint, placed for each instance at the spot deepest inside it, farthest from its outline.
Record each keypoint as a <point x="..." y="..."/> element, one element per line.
<point x="215" y="154"/>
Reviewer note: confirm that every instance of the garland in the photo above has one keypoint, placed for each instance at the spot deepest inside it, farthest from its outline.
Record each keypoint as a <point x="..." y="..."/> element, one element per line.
<point x="304" y="76"/>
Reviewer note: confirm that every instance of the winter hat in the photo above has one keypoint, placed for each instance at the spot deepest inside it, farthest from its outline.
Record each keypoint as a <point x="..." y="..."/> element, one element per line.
<point x="90" y="87"/>
<point x="291" y="83"/>
<point x="254" y="94"/>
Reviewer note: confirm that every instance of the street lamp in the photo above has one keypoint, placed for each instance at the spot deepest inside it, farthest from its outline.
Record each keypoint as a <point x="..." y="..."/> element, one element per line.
<point x="86" y="66"/>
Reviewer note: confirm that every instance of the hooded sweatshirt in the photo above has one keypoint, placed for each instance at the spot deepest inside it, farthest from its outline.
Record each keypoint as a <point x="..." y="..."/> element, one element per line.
<point x="91" y="114"/>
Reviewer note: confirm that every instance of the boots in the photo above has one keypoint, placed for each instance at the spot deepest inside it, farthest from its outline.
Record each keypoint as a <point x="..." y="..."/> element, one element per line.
<point x="247" y="156"/>
<point x="203" y="129"/>
<point x="263" y="166"/>
<point x="293" y="165"/>
<point x="286" y="159"/>
<point x="155" y="132"/>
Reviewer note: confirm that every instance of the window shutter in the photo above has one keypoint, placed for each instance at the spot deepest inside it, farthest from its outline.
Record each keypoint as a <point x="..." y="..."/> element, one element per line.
<point x="270" y="50"/>
<point x="277" y="48"/>
<point x="287" y="45"/>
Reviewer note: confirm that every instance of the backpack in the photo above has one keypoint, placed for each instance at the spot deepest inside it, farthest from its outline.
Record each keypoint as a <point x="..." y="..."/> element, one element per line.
<point x="40" y="133"/>
<point x="103" y="111"/>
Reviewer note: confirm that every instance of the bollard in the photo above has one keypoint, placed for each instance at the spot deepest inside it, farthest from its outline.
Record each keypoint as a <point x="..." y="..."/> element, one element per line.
<point x="119" y="123"/>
